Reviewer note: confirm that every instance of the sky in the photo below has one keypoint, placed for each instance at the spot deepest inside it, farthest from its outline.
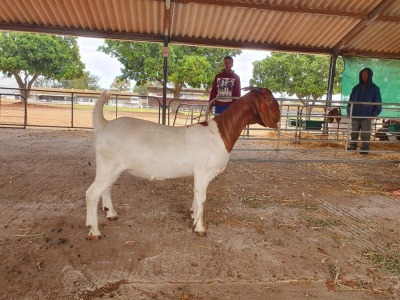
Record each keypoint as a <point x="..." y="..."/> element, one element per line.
<point x="107" y="68"/>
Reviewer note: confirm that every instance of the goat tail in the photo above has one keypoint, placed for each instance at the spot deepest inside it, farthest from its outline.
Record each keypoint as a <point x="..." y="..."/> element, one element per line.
<point x="98" y="117"/>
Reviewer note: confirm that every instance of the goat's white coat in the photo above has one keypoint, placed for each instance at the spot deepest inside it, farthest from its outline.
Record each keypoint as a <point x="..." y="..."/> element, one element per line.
<point x="342" y="125"/>
<point x="151" y="151"/>
<point x="154" y="152"/>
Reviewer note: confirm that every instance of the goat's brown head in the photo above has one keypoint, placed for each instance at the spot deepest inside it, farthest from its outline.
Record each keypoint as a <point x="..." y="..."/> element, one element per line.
<point x="268" y="110"/>
<point x="334" y="113"/>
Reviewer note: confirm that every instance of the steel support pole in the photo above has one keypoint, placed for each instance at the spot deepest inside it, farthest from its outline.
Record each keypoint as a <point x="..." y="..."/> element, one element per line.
<point x="165" y="53"/>
<point x="331" y="79"/>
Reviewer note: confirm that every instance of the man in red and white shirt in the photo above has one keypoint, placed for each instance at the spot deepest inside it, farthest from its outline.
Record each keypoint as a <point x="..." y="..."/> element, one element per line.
<point x="226" y="84"/>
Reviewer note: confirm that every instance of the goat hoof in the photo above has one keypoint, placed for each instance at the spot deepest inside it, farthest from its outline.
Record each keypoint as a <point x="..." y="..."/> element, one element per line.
<point x="112" y="218"/>
<point x="199" y="233"/>
<point x="93" y="237"/>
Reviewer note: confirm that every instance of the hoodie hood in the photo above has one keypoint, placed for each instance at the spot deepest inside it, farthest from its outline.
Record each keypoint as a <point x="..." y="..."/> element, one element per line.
<point x="370" y="74"/>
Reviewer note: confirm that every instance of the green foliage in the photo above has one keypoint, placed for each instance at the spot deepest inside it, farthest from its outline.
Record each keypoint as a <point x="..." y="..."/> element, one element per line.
<point x="42" y="82"/>
<point x="305" y="76"/>
<point x="26" y="56"/>
<point x="86" y="82"/>
<point x="187" y="65"/>
<point x="141" y="90"/>
<point x="122" y="85"/>
<point x="388" y="259"/>
<point x="196" y="66"/>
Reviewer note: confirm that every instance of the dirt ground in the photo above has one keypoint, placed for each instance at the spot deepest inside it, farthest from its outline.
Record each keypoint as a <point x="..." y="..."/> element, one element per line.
<point x="275" y="230"/>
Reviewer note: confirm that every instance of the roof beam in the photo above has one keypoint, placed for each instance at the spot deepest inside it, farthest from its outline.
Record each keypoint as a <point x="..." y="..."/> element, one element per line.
<point x="268" y="6"/>
<point x="275" y="47"/>
<point x="167" y="19"/>
<point x="82" y="32"/>
<point x="370" y="54"/>
<point x="247" y="45"/>
<point x="361" y="26"/>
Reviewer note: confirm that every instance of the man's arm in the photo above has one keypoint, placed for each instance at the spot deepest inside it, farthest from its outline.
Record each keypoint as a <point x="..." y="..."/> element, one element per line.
<point x="351" y="98"/>
<point x="377" y="99"/>
<point x="237" y="87"/>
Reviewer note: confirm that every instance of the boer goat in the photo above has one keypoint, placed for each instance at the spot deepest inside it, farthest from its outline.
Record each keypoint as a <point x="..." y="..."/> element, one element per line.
<point x="337" y="123"/>
<point x="156" y="152"/>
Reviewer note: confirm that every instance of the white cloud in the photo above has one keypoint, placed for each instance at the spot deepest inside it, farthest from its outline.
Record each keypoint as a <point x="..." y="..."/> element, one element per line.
<point x="98" y="63"/>
<point x="243" y="64"/>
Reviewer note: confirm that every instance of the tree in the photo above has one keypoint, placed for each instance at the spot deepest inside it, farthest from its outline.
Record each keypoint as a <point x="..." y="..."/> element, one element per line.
<point x="26" y="56"/>
<point x="305" y="76"/>
<point x="123" y="85"/>
<point x="296" y="74"/>
<point x="86" y="82"/>
<point x="42" y="82"/>
<point x="141" y="90"/>
<point x="187" y="65"/>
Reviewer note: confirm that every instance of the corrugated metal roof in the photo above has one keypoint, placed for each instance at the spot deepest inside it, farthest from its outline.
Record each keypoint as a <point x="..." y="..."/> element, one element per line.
<point x="350" y="28"/>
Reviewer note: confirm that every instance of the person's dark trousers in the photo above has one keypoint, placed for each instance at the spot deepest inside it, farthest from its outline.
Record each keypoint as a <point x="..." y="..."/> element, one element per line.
<point x="220" y="108"/>
<point x="365" y="126"/>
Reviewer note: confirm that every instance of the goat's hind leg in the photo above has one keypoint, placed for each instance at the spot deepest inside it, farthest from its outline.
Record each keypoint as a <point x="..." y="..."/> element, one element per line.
<point x="107" y="205"/>
<point x="193" y="208"/>
<point x="100" y="187"/>
<point x="200" y="191"/>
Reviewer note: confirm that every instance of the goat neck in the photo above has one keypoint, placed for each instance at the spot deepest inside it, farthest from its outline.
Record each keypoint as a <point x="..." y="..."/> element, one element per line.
<point x="232" y="121"/>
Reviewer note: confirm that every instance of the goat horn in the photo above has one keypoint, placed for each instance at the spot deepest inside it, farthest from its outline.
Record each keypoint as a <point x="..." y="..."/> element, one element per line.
<point x="252" y="88"/>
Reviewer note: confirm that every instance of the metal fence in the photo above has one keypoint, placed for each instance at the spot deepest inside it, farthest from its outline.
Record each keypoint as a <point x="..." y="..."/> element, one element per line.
<point x="48" y="108"/>
<point x="303" y="133"/>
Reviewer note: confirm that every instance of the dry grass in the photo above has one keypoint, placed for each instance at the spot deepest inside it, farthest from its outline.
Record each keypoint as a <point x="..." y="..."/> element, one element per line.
<point x="388" y="259"/>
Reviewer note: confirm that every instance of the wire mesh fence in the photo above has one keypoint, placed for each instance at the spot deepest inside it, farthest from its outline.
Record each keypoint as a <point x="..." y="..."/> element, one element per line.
<point x="69" y="109"/>
<point x="304" y="132"/>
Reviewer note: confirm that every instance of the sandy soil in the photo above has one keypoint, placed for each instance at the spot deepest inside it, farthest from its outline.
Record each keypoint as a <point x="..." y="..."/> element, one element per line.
<point x="275" y="230"/>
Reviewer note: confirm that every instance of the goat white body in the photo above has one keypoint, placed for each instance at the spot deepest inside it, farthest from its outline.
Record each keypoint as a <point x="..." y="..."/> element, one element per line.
<point x="158" y="152"/>
<point x="152" y="151"/>
<point x="339" y="128"/>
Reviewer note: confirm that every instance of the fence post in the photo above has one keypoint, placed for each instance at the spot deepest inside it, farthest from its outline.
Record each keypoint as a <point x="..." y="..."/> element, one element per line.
<point x="72" y="110"/>
<point x="116" y="106"/>
<point x="25" y="110"/>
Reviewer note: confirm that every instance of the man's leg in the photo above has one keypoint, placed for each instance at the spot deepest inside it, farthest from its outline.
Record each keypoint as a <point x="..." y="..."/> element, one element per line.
<point x="355" y="129"/>
<point x="365" y="134"/>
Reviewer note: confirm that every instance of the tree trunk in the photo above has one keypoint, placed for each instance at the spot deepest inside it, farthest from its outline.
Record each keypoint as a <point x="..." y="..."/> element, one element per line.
<point x="309" y="107"/>
<point x="24" y="84"/>
<point x="177" y="92"/>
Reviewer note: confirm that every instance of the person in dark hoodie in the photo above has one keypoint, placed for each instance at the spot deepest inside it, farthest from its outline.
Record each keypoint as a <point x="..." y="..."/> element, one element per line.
<point x="226" y="84"/>
<point x="362" y="114"/>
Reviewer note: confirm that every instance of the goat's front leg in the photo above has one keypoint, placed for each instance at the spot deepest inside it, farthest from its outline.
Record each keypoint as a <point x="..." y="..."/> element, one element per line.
<point x="193" y="208"/>
<point x="107" y="205"/>
<point x="200" y="189"/>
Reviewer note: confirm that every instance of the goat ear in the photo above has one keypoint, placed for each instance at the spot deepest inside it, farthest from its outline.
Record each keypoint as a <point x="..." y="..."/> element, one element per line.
<point x="265" y="114"/>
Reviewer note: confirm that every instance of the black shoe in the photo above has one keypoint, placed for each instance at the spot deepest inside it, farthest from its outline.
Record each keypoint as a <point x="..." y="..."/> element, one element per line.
<point x="364" y="152"/>
<point x="351" y="149"/>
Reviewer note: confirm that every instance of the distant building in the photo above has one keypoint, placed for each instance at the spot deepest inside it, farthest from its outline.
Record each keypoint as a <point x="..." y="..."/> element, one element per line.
<point x="9" y="89"/>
